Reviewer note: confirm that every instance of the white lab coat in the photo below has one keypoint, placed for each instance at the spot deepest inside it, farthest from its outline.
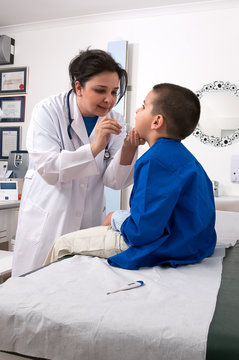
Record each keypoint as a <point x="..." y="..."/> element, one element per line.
<point x="63" y="188"/>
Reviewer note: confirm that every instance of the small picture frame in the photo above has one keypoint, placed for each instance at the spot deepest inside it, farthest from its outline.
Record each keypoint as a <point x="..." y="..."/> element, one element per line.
<point x="13" y="80"/>
<point x="9" y="140"/>
<point x="12" y="109"/>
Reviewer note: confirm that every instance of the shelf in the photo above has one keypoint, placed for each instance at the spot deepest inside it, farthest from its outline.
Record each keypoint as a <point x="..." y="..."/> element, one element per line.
<point x="7" y="204"/>
<point x="227" y="203"/>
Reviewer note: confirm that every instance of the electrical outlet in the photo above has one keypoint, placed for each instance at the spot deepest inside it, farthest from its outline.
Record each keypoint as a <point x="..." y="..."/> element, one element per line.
<point x="3" y="168"/>
<point x="235" y="168"/>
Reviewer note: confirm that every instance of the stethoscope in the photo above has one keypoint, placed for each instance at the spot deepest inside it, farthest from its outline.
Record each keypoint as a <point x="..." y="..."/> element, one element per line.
<point x="107" y="152"/>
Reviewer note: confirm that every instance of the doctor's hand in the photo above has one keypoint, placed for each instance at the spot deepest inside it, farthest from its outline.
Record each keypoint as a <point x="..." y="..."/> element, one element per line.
<point x="133" y="139"/>
<point x="131" y="143"/>
<point x="103" y="130"/>
<point x="107" y="220"/>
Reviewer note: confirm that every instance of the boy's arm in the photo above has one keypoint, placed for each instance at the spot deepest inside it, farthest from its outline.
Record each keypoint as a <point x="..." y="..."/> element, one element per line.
<point x="155" y="194"/>
<point x="116" y="219"/>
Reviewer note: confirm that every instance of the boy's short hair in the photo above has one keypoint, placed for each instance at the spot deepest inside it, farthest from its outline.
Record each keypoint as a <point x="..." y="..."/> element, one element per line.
<point x="180" y="108"/>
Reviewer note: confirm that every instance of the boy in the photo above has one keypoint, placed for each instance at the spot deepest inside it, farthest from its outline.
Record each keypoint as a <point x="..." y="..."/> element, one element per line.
<point x="172" y="211"/>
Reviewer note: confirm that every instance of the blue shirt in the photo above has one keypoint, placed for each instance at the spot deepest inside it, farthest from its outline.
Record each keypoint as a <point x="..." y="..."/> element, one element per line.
<point x="117" y="219"/>
<point x="90" y="123"/>
<point x="172" y="215"/>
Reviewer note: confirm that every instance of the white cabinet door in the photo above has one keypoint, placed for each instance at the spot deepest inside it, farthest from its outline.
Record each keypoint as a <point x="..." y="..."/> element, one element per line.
<point x="8" y="226"/>
<point x="3" y="228"/>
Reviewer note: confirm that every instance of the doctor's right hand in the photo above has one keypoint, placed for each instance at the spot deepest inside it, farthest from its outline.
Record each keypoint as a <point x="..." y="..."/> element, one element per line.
<point x="103" y="130"/>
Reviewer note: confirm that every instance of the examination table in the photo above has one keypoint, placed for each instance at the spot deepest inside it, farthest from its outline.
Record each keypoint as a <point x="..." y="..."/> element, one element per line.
<point x="62" y="311"/>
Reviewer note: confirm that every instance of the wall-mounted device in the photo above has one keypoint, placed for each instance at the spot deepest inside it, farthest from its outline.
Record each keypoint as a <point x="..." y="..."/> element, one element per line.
<point x="235" y="168"/>
<point x="18" y="163"/>
<point x="8" y="190"/>
<point x="7" y="50"/>
<point x="215" y="188"/>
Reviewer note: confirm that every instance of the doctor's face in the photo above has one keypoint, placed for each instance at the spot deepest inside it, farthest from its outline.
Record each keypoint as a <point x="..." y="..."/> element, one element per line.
<point x="99" y="94"/>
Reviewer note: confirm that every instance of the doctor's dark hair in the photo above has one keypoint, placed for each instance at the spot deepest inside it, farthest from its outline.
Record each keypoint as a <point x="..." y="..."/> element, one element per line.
<point x="180" y="108"/>
<point x="93" y="62"/>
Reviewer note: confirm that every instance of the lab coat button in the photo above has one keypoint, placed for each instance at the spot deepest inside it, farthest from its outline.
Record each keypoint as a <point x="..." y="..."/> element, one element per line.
<point x="78" y="213"/>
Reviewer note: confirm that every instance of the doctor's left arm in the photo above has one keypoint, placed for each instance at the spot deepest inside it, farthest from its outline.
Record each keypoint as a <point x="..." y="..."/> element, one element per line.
<point x="120" y="171"/>
<point x="130" y="147"/>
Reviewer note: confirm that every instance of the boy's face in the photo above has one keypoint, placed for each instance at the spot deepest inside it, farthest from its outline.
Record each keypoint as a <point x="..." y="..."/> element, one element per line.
<point x="144" y="117"/>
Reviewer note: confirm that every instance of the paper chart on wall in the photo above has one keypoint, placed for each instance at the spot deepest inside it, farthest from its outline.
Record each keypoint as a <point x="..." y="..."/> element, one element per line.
<point x="11" y="109"/>
<point x="9" y="142"/>
<point x="12" y="80"/>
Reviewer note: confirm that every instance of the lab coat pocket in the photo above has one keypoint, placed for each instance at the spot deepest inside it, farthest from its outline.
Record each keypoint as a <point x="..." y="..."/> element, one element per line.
<point x="32" y="221"/>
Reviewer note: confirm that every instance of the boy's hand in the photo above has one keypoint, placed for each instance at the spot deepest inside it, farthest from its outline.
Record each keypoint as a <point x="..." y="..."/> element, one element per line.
<point x="107" y="220"/>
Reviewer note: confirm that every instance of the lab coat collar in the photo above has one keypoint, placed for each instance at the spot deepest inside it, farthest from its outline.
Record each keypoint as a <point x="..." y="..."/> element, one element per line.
<point x="78" y="124"/>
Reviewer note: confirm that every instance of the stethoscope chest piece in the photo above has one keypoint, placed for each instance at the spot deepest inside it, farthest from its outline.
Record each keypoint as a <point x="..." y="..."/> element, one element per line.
<point x="107" y="154"/>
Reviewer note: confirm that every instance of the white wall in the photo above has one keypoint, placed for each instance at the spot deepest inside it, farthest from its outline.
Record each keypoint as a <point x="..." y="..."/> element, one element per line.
<point x="187" y="45"/>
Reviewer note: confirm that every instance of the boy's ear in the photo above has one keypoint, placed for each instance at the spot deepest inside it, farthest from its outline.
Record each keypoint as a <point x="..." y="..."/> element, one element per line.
<point x="157" y="122"/>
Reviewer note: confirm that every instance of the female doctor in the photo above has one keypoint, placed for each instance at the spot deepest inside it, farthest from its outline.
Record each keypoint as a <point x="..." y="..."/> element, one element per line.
<point x="76" y="146"/>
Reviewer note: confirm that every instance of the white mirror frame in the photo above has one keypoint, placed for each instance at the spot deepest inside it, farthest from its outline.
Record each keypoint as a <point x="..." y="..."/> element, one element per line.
<point x="215" y="140"/>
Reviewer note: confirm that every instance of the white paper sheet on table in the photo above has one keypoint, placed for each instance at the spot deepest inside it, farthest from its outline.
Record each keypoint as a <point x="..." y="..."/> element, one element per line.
<point x="63" y="312"/>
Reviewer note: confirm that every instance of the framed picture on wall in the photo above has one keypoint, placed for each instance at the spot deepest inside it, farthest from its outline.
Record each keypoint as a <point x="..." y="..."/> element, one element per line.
<point x="13" y="80"/>
<point x="12" y="109"/>
<point x="9" y="140"/>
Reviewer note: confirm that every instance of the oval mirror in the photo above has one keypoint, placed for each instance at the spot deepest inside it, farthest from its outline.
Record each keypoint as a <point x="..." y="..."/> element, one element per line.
<point x="219" y="119"/>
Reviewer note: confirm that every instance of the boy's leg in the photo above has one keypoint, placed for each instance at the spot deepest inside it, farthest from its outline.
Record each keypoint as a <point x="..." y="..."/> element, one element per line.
<point x="99" y="241"/>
